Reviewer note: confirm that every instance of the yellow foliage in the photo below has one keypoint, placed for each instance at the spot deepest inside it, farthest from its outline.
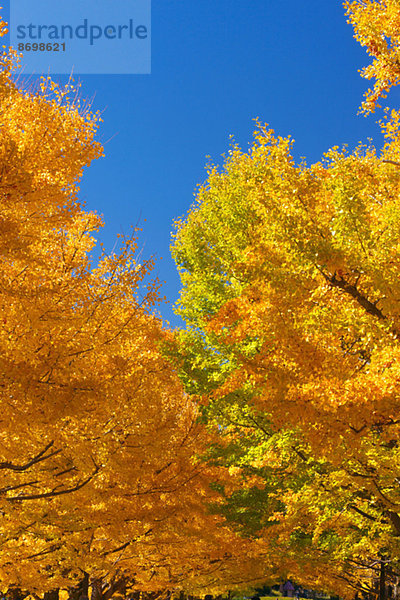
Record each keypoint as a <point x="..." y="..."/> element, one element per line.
<point x="377" y="27"/>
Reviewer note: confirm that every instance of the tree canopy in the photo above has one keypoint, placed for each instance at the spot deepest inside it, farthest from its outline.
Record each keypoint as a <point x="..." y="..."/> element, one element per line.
<point x="261" y="441"/>
<point x="290" y="277"/>
<point x="99" y="481"/>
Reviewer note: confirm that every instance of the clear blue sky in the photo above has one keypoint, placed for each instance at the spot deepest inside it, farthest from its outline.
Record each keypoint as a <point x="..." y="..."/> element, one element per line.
<point x="216" y="65"/>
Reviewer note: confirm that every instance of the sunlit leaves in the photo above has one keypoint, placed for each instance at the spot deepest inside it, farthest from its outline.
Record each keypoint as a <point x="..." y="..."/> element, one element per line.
<point x="376" y="25"/>
<point x="291" y="295"/>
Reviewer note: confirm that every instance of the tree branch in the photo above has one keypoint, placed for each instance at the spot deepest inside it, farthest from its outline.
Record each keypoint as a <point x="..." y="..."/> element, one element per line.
<point x="36" y="459"/>
<point x="54" y="493"/>
<point x="367" y="305"/>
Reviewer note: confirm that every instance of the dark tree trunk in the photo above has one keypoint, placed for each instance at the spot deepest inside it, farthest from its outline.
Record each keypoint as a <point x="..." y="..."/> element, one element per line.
<point x="382" y="582"/>
<point x="105" y="590"/>
<point x="81" y="591"/>
<point x="97" y="593"/>
<point x="53" y="595"/>
<point x="16" y="593"/>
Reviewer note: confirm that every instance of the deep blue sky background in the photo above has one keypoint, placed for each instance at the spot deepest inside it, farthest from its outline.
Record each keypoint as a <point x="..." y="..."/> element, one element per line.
<point x="216" y="65"/>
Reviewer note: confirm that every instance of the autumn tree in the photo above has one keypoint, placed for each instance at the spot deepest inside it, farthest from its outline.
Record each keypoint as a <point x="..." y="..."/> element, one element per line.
<point x="99" y="481"/>
<point x="290" y="293"/>
<point x="78" y="348"/>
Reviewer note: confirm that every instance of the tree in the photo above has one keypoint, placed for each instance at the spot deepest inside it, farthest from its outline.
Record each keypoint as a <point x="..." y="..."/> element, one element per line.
<point x="78" y="347"/>
<point x="290" y="293"/>
<point x="99" y="481"/>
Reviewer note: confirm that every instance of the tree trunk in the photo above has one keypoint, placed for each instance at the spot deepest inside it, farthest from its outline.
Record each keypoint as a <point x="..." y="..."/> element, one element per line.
<point x="53" y="595"/>
<point x="382" y="582"/>
<point x="97" y="592"/>
<point x="81" y="591"/>
<point x="16" y="593"/>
